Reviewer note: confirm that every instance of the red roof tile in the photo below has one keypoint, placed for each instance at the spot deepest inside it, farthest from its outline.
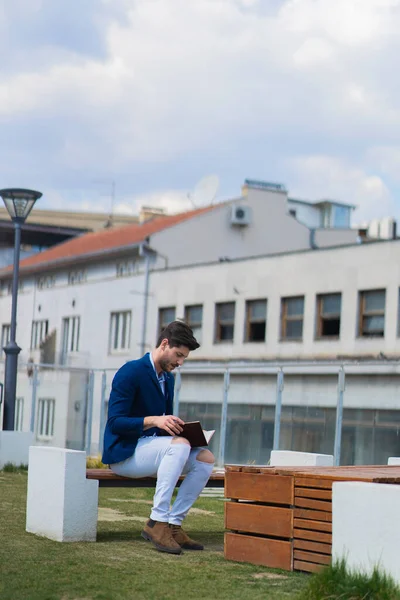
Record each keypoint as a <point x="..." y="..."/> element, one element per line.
<point x="99" y="241"/>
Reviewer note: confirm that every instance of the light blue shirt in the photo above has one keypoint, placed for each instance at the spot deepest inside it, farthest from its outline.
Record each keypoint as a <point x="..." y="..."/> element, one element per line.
<point x="160" y="377"/>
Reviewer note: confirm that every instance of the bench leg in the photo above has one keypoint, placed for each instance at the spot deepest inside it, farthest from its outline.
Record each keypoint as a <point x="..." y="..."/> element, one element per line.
<point x="61" y="502"/>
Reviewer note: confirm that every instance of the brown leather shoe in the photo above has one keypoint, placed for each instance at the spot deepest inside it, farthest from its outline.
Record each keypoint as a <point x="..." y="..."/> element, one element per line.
<point x="184" y="541"/>
<point x="161" y="537"/>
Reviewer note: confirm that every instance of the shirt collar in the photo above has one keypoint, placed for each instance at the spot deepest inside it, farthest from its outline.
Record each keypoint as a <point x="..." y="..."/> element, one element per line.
<point x="160" y="376"/>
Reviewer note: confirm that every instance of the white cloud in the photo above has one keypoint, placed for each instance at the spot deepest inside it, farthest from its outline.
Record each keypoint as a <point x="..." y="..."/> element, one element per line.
<point x="185" y="88"/>
<point x="325" y="177"/>
<point x="387" y="160"/>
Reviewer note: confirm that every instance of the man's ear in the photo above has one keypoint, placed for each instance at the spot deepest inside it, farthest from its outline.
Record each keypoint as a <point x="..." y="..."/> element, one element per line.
<point x="164" y="343"/>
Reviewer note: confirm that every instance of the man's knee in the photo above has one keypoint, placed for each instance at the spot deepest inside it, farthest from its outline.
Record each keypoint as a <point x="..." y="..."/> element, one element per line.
<point x="206" y="456"/>
<point x="180" y="440"/>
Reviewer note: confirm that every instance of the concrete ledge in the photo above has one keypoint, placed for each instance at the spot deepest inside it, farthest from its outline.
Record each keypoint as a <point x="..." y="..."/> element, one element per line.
<point x="61" y="502"/>
<point x="14" y="447"/>
<point x="394" y="460"/>
<point x="287" y="458"/>
<point x="366" y="526"/>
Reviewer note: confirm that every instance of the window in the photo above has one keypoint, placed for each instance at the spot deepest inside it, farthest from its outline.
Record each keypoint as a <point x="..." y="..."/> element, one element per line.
<point x="120" y="331"/>
<point x="19" y="414"/>
<point x="292" y="212"/>
<point x="328" y="315"/>
<point x="46" y="281"/>
<point x="372" y="313"/>
<point x="256" y="319"/>
<point x="45" y="419"/>
<point x="6" y="287"/>
<point x="194" y="318"/>
<point x="398" y="315"/>
<point x="5" y="334"/>
<point x="165" y="317"/>
<point x="71" y="330"/>
<point x="341" y="217"/>
<point x="75" y="277"/>
<point x="126" y="268"/>
<point x="292" y="318"/>
<point x="39" y="333"/>
<point x="224" y="321"/>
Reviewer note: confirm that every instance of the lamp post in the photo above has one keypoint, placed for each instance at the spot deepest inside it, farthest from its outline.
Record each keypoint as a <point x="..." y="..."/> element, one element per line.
<point x="19" y="204"/>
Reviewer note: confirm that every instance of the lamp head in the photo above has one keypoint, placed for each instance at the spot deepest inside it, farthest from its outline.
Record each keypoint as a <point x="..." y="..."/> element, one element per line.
<point x="19" y="202"/>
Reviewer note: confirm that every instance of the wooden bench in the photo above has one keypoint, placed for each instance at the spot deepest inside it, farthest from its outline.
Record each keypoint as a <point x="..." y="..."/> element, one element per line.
<point x="281" y="517"/>
<point x="107" y="478"/>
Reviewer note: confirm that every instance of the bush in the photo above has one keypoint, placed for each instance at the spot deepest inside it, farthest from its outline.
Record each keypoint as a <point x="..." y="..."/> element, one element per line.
<point x="337" y="582"/>
<point x="11" y="468"/>
<point x="94" y="462"/>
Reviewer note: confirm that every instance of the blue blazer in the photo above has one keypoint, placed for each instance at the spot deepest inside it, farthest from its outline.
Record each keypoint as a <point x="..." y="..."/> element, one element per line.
<point x="135" y="394"/>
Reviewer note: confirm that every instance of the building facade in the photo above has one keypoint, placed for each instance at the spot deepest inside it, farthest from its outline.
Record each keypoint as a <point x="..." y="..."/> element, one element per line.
<point x="262" y="296"/>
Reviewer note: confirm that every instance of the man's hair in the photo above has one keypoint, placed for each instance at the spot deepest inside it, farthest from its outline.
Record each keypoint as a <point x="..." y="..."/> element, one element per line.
<point x="178" y="334"/>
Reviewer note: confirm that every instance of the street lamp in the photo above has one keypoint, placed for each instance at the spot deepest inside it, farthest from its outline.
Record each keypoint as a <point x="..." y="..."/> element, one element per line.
<point x="19" y="204"/>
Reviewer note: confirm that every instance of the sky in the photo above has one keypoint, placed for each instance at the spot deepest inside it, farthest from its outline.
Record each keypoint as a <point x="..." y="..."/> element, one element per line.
<point x="150" y="96"/>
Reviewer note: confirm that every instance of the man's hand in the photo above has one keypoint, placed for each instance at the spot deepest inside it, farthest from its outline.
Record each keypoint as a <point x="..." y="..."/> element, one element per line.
<point x="169" y="423"/>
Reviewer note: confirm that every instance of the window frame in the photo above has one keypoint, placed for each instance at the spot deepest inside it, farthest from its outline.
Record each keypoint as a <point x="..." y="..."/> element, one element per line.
<point x="249" y="320"/>
<point x="227" y="323"/>
<point x="19" y="413"/>
<point x="73" y="338"/>
<point x="117" y="329"/>
<point x="5" y="329"/>
<point x="285" y="318"/>
<point x="362" y="294"/>
<point x="195" y="326"/>
<point x="37" y="327"/>
<point x="329" y="316"/>
<point x="45" y="418"/>
<point x="77" y="277"/>
<point x="162" y="324"/>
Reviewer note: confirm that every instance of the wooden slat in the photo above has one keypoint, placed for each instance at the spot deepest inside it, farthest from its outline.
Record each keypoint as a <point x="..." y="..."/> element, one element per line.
<point x="276" y="554"/>
<point x="313" y="525"/>
<point x="108" y="474"/>
<point x="322" y="505"/>
<point x="259" y="487"/>
<point x="312" y="546"/>
<point x="312" y="482"/>
<point x="312" y="557"/>
<point x="314" y="536"/>
<point x="256" y="518"/>
<point x="315" y="515"/>
<point x="308" y="567"/>
<point x="233" y="468"/>
<point x="107" y="478"/>
<point x="307" y="492"/>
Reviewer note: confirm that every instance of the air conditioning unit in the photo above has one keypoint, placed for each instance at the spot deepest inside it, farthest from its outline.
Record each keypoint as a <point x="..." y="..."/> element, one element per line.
<point x="240" y="215"/>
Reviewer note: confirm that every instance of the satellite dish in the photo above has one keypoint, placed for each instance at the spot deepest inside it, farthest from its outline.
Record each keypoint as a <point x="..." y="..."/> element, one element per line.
<point x="205" y="191"/>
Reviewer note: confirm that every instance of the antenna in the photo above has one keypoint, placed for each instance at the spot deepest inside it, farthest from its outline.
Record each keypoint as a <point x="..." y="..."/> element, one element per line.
<point x="112" y="183"/>
<point x="204" y="191"/>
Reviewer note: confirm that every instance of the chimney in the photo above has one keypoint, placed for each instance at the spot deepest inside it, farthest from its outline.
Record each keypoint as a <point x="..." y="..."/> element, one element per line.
<point x="149" y="212"/>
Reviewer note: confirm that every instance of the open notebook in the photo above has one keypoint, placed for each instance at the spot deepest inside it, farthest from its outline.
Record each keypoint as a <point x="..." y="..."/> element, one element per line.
<point x="195" y="434"/>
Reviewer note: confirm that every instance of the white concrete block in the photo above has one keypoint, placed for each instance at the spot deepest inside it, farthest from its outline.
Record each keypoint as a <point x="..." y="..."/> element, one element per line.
<point x="366" y="526"/>
<point x="14" y="447"/>
<point x="287" y="458"/>
<point x="61" y="503"/>
<point x="394" y="460"/>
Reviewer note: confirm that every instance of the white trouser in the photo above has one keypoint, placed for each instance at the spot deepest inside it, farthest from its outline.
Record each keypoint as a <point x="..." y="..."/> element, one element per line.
<point x="157" y="456"/>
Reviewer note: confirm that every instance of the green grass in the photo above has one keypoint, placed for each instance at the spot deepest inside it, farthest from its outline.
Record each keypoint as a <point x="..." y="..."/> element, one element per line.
<point x="338" y="582"/>
<point x="121" y="565"/>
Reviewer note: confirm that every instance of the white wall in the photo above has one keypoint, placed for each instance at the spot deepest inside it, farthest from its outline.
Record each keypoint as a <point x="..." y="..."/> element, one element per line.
<point x="347" y="270"/>
<point x="210" y="235"/>
<point x="92" y="301"/>
<point x="307" y="214"/>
